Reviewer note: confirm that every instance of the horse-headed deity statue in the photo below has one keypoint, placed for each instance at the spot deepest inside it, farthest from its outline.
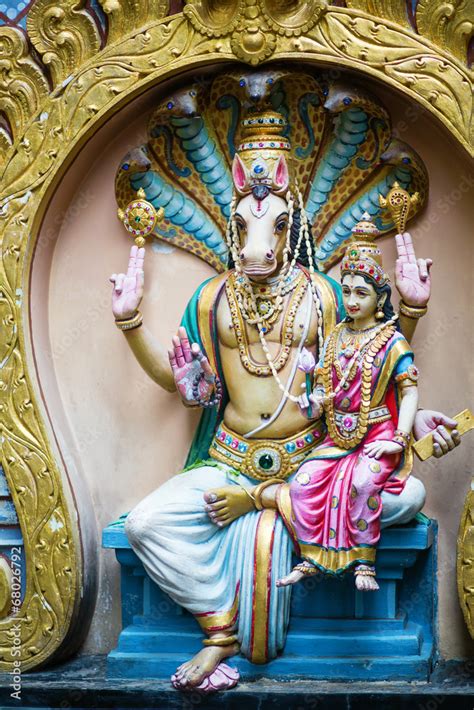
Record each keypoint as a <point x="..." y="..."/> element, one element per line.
<point x="265" y="176"/>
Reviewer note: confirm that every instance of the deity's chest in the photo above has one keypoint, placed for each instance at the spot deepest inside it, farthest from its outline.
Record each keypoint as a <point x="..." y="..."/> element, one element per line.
<point x="291" y="325"/>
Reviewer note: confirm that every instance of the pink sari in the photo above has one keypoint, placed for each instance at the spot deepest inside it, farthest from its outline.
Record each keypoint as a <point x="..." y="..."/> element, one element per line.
<point x="332" y="507"/>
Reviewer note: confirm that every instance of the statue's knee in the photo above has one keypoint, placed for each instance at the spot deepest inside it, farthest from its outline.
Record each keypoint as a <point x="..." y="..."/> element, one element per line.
<point x="137" y="525"/>
<point x="415" y="496"/>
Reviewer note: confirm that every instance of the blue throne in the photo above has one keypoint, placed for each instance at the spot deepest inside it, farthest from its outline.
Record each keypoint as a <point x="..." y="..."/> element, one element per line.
<point x="335" y="632"/>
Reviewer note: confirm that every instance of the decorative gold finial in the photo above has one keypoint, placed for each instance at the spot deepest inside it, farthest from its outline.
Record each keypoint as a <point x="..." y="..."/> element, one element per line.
<point x="399" y="202"/>
<point x="140" y="217"/>
<point x="365" y="228"/>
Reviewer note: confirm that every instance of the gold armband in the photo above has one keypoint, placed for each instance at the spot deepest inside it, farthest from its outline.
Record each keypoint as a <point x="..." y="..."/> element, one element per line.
<point x="410" y="377"/>
<point x="130" y="323"/>
<point x="414" y="312"/>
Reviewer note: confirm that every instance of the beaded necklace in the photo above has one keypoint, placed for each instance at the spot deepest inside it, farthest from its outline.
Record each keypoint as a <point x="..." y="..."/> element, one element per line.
<point x="359" y="340"/>
<point x="265" y="299"/>
<point x="286" y="337"/>
<point x="232" y="238"/>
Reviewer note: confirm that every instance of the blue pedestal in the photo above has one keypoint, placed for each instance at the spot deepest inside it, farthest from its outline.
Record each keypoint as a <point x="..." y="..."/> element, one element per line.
<point x="335" y="633"/>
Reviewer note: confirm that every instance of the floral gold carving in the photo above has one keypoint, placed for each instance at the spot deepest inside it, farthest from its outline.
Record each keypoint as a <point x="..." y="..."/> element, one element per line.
<point x="448" y="24"/>
<point x="253" y="24"/>
<point x="292" y="18"/>
<point x="465" y="562"/>
<point x="45" y="131"/>
<point x="126" y="15"/>
<point x="64" y="34"/>
<point x="53" y="576"/>
<point x="23" y="86"/>
<point x="214" y="18"/>
<point x="5" y="588"/>
<point x="393" y="10"/>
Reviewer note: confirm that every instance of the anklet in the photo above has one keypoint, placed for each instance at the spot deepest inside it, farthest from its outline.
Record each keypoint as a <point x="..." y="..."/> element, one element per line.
<point x="224" y="641"/>
<point x="306" y="568"/>
<point x="365" y="571"/>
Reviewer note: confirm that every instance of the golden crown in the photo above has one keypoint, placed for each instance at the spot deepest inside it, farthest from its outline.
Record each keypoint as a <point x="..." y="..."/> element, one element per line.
<point x="362" y="256"/>
<point x="263" y="155"/>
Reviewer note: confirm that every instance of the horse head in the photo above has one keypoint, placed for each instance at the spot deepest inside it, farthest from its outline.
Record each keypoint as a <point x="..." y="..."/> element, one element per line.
<point x="261" y="217"/>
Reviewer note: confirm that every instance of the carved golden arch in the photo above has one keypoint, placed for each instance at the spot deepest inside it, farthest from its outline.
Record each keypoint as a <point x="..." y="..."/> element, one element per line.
<point x="49" y="127"/>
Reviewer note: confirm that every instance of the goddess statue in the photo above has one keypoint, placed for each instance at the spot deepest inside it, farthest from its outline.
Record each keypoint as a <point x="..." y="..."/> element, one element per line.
<point x="366" y="383"/>
<point x="213" y="537"/>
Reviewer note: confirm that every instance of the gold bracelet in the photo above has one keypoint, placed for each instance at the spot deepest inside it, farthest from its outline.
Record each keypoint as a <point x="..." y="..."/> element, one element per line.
<point x="221" y="641"/>
<point x="403" y="434"/>
<point x="258" y="490"/>
<point x="130" y="323"/>
<point x="414" y="312"/>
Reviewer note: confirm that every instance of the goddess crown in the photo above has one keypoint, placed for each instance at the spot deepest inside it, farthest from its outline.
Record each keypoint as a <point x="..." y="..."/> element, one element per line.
<point x="362" y="256"/>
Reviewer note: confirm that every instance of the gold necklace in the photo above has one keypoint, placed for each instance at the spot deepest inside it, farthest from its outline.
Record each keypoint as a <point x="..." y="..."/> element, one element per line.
<point x="377" y="341"/>
<point x="264" y="303"/>
<point x="355" y="343"/>
<point x="286" y="338"/>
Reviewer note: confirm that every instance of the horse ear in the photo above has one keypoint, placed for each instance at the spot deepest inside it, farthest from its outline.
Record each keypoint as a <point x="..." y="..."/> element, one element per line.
<point x="281" y="176"/>
<point x="240" y="175"/>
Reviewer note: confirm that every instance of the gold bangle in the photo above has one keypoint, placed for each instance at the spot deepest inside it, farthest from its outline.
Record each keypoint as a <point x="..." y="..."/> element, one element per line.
<point x="130" y="323"/>
<point x="258" y="490"/>
<point x="403" y="434"/>
<point x="221" y="641"/>
<point x="414" y="312"/>
<point x="401" y="441"/>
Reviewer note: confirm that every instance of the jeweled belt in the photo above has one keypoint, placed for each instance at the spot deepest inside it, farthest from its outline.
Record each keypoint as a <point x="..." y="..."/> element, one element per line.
<point x="265" y="458"/>
<point x="347" y="421"/>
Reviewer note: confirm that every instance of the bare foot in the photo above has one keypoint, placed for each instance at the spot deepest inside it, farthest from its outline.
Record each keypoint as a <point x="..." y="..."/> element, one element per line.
<point x="297" y="574"/>
<point x="365" y="583"/>
<point x="291" y="578"/>
<point x="193" y="672"/>
<point x="224" y="505"/>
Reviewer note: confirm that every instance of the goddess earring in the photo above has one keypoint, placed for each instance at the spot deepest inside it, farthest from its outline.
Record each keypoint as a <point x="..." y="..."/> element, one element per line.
<point x="380" y="314"/>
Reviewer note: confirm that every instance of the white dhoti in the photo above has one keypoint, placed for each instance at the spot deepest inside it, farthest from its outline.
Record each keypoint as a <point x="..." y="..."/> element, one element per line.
<point x="226" y="577"/>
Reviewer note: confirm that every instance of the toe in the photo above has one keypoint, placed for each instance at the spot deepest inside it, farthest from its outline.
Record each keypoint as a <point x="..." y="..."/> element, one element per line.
<point x="194" y="677"/>
<point x="214" y="496"/>
<point x="213" y="507"/>
<point x="224" y="521"/>
<point x="222" y="514"/>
